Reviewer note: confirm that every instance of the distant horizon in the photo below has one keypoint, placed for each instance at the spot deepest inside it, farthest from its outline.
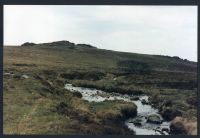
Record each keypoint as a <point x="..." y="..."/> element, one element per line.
<point x="103" y="49"/>
<point x="152" y="30"/>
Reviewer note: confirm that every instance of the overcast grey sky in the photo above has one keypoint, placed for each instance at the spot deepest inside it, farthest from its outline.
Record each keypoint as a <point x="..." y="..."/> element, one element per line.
<point x="161" y="30"/>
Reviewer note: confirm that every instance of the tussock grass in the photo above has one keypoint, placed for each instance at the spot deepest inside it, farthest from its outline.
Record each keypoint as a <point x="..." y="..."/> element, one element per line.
<point x="33" y="105"/>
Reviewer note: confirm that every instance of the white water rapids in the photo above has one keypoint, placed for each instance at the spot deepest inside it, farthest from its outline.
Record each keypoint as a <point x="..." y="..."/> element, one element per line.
<point x="94" y="95"/>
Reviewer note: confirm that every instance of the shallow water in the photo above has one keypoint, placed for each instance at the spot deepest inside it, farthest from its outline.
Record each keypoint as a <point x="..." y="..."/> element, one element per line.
<point x="94" y="95"/>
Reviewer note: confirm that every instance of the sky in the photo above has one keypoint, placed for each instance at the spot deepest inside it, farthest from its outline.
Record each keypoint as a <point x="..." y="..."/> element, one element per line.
<point x="157" y="30"/>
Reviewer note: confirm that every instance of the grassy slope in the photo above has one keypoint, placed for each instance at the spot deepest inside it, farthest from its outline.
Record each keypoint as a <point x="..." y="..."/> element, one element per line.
<point x="31" y="108"/>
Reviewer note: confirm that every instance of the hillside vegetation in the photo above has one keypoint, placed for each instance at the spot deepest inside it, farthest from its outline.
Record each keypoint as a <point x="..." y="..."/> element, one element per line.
<point x="35" y="101"/>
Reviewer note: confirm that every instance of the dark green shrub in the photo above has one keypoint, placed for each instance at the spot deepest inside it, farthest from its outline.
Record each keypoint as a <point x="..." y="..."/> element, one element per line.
<point x="77" y="94"/>
<point x="90" y="75"/>
<point x="135" y="67"/>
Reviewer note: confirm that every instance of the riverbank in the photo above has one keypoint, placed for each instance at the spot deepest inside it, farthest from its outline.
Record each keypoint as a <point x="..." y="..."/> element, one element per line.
<point x="46" y="108"/>
<point x="141" y="127"/>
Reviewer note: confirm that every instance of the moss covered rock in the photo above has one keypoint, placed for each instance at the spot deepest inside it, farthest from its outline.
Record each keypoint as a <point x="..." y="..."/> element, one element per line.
<point x="154" y="118"/>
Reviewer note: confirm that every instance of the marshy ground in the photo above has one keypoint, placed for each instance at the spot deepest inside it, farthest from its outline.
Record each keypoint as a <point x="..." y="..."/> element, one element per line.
<point x="35" y="101"/>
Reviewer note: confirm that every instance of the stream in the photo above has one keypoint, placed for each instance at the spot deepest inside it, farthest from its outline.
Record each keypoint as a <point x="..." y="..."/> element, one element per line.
<point x="143" y="110"/>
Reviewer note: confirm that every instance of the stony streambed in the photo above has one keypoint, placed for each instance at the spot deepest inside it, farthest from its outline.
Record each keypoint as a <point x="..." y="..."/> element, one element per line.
<point x="138" y="124"/>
